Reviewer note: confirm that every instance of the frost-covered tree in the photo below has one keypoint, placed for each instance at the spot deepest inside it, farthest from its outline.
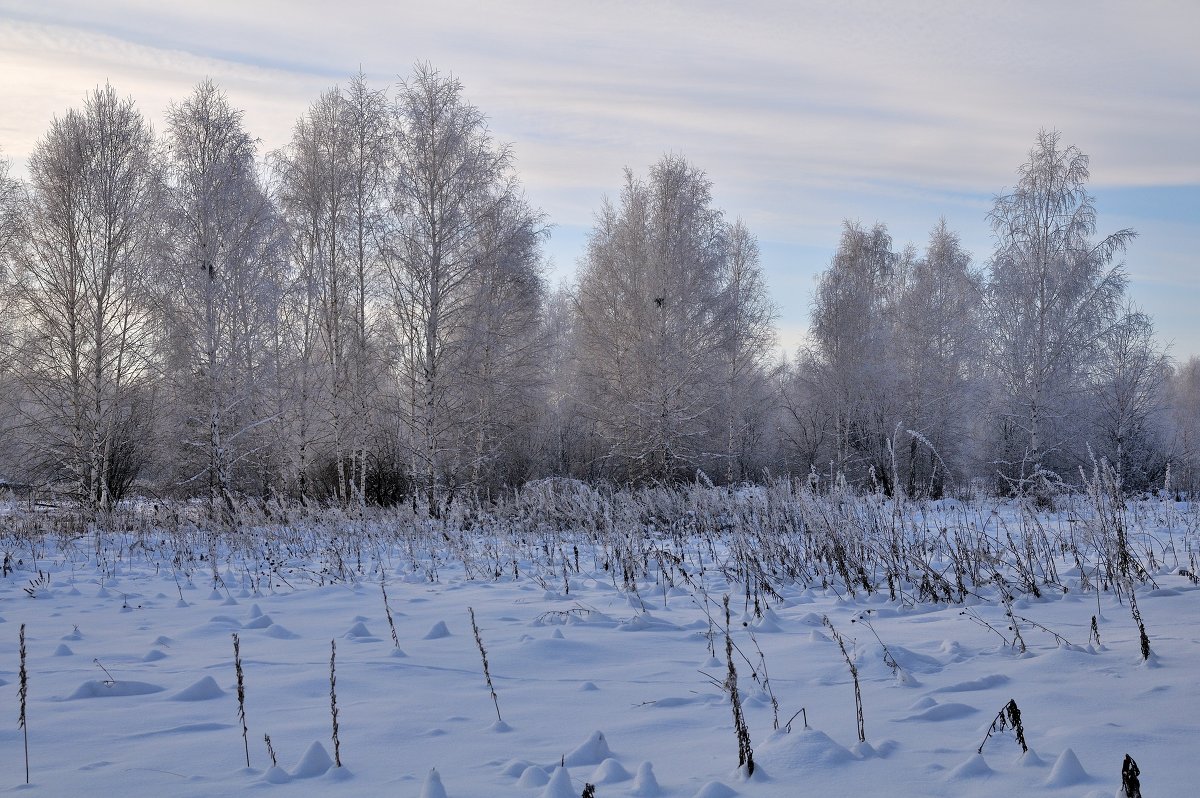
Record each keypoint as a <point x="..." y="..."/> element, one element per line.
<point x="221" y="293"/>
<point x="463" y="286"/>
<point x="370" y="143"/>
<point x="746" y="349"/>
<point x="1054" y="294"/>
<point x="333" y="188"/>
<point x="806" y="427"/>
<point x="313" y="187"/>
<point x="1128" y="397"/>
<point x="850" y="372"/>
<point x="85" y="274"/>
<point x="1183" y="396"/>
<point x="10" y="218"/>
<point x="566" y="443"/>
<point x="670" y="308"/>
<point x="936" y="341"/>
<point x="886" y="390"/>
<point x="502" y="368"/>
<point x="11" y="226"/>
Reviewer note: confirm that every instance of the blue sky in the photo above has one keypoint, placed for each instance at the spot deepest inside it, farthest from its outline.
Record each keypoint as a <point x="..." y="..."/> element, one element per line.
<point x="802" y="113"/>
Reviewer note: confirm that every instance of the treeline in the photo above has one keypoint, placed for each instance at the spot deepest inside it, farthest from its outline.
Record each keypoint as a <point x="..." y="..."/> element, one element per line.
<point x="362" y="316"/>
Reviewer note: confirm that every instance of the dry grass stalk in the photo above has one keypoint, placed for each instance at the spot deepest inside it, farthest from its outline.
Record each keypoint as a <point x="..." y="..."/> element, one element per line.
<point x="241" y="694"/>
<point x="487" y="675"/>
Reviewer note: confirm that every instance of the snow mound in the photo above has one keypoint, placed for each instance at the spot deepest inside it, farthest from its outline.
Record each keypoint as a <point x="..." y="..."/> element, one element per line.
<point x="803" y="749"/>
<point x="360" y="633"/>
<point x="515" y="767"/>
<point x="260" y="621"/>
<point x="566" y="651"/>
<point x="94" y="689"/>
<point x="432" y="788"/>
<point x="154" y="655"/>
<point x="1067" y="771"/>
<point x="940" y="712"/>
<point x="276" y="775"/>
<point x="1030" y="759"/>
<point x="559" y="785"/>
<point x="864" y="750"/>
<point x="769" y="623"/>
<point x="610" y="771"/>
<point x="982" y="683"/>
<point x="592" y="751"/>
<point x="644" y="622"/>
<point x="644" y="783"/>
<point x="204" y="690"/>
<point x="315" y="762"/>
<point x="438" y="631"/>
<point x="908" y="660"/>
<point x="974" y="767"/>
<point x="715" y="789"/>
<point x="63" y="650"/>
<point x="280" y="632"/>
<point x="533" y="776"/>
<point x="186" y="728"/>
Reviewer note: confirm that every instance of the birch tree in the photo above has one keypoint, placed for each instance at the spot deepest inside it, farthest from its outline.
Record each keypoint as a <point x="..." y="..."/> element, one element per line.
<point x="370" y="143"/>
<point x="1128" y="397"/>
<point x="654" y="312"/>
<point x="1183" y="394"/>
<point x="221" y="294"/>
<point x="309" y="199"/>
<point x="332" y="178"/>
<point x="503" y="356"/>
<point x="456" y="214"/>
<point x="852" y="374"/>
<point x="10" y="218"/>
<point x="936" y="342"/>
<point x="1053" y="295"/>
<point x="746" y="348"/>
<point x="85" y="277"/>
<point x="11" y="228"/>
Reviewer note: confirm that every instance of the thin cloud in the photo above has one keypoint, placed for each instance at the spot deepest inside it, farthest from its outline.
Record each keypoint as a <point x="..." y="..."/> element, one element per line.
<point x="802" y="113"/>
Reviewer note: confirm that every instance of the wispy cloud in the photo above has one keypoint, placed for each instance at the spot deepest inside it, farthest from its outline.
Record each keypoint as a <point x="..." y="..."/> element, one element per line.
<point x="804" y="113"/>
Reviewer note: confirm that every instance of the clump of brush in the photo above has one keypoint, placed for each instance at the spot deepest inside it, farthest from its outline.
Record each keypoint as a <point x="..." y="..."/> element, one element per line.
<point x="1009" y="716"/>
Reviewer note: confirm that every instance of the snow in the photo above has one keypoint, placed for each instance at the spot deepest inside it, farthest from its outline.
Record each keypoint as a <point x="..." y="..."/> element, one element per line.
<point x="132" y="686"/>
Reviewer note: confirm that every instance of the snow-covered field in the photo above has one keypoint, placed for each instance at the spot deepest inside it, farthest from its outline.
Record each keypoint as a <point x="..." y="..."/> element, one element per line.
<point x="132" y="689"/>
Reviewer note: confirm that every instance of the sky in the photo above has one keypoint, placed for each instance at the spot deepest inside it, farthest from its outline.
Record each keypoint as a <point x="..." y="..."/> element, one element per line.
<point x="803" y="114"/>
